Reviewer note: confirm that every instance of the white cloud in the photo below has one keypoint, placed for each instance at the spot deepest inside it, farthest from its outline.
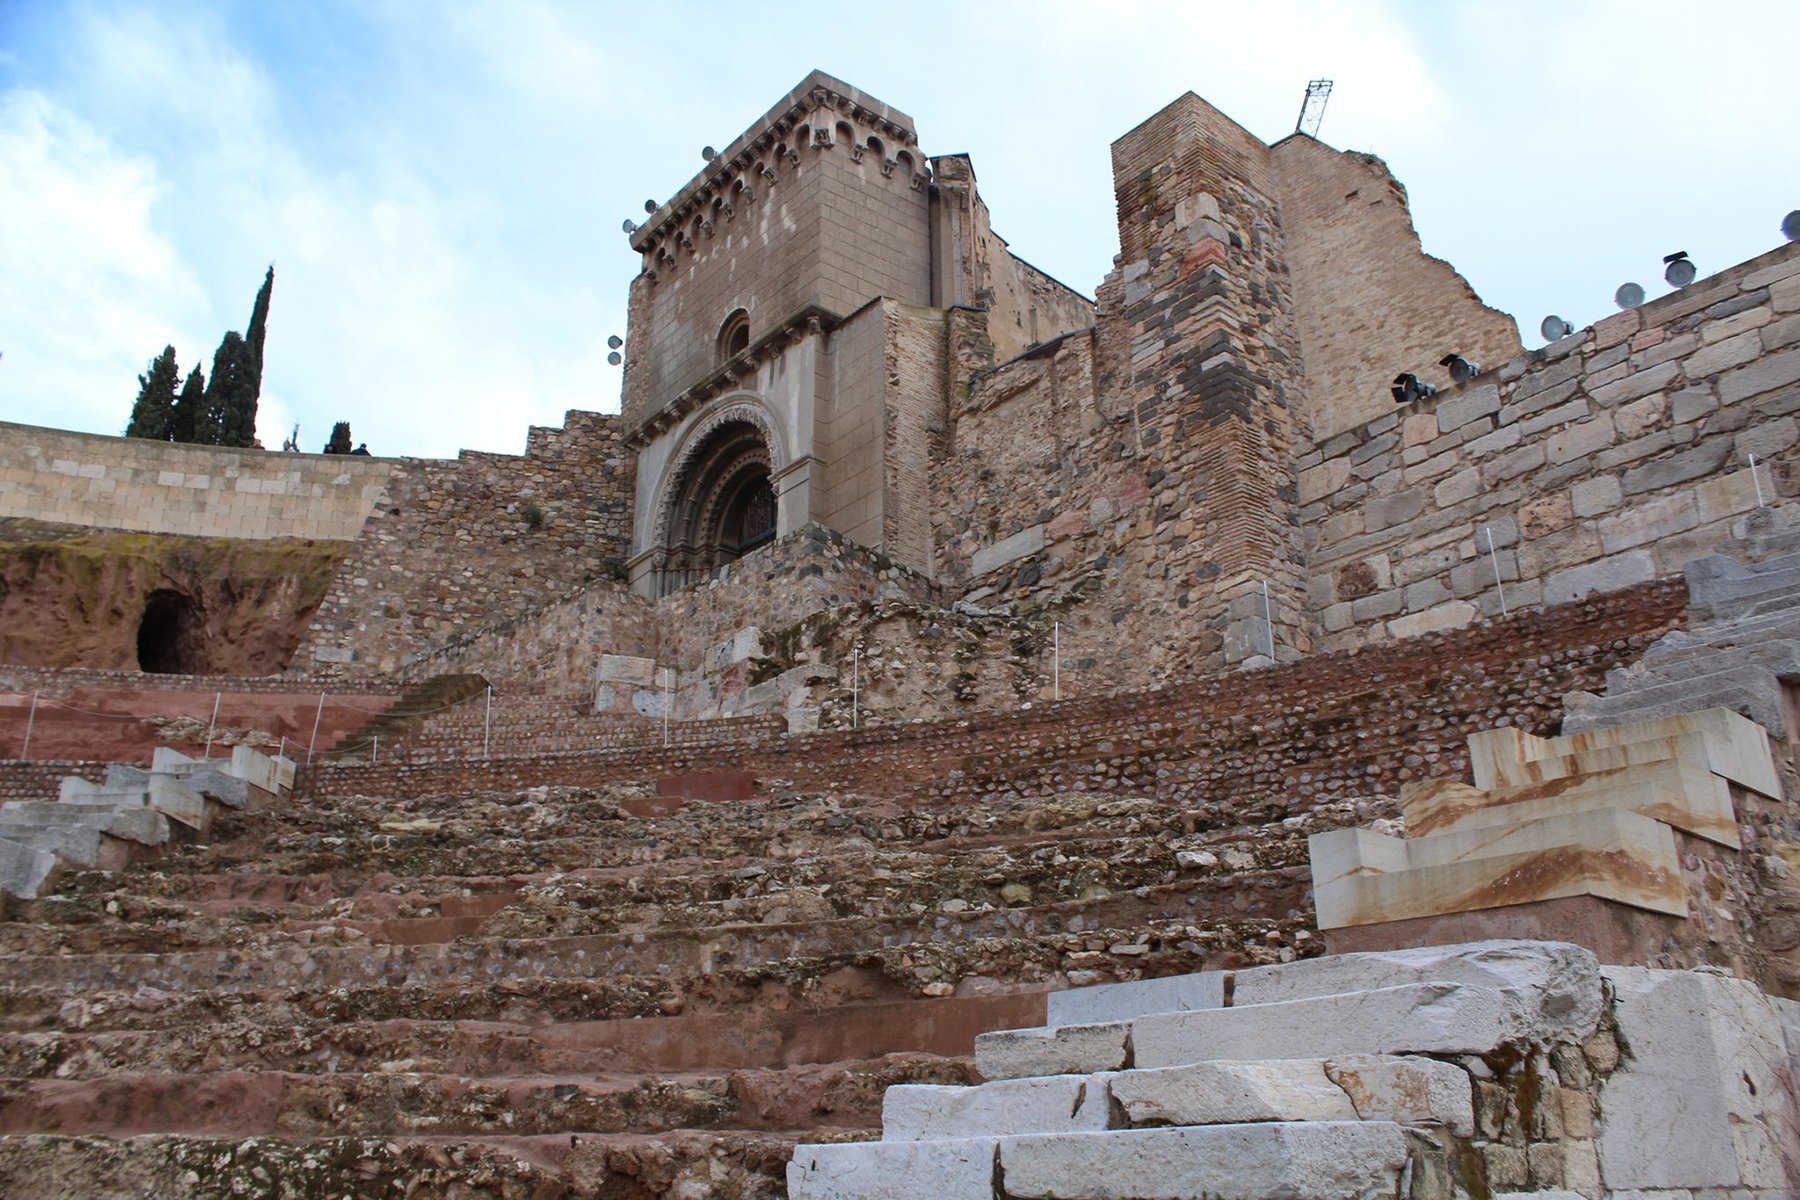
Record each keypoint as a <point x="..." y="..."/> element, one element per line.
<point x="95" y="290"/>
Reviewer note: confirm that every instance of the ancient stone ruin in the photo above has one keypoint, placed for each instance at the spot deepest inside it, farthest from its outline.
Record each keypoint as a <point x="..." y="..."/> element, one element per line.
<point x="945" y="736"/>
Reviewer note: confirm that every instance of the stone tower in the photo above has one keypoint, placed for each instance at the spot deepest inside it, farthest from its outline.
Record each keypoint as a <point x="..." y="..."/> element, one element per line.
<point x="788" y="335"/>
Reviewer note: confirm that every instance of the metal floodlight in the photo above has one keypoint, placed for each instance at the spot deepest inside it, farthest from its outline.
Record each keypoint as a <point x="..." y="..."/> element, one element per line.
<point x="707" y="153"/>
<point x="1629" y="295"/>
<point x="614" y="341"/>
<point x="630" y="226"/>
<point x="1461" y="369"/>
<point x="1555" y="328"/>
<point x="614" y="359"/>
<point x="1680" y="270"/>
<point x="1790" y="226"/>
<point x="650" y="206"/>
<point x="1409" y="387"/>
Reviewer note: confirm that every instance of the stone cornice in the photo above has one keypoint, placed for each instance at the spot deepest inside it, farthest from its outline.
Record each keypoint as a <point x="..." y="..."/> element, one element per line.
<point x="817" y="91"/>
<point x="805" y="322"/>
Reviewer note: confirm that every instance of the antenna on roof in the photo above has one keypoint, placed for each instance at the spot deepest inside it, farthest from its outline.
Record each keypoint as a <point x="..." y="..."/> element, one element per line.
<point x="1312" y="109"/>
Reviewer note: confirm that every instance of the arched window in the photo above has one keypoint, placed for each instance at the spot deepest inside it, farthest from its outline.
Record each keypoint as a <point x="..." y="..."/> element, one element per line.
<point x="734" y="335"/>
<point x="721" y="506"/>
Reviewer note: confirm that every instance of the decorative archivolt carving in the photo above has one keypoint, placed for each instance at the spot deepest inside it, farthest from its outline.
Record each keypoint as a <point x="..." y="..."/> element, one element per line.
<point x="694" y="448"/>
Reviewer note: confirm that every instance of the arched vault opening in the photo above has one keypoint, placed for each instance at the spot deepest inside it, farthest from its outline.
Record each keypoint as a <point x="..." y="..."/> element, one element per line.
<point x="171" y="636"/>
<point x="721" y="506"/>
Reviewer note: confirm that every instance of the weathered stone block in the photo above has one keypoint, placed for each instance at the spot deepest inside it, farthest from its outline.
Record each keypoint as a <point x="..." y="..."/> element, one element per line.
<point x="1227" y="1093"/>
<point x="1457" y="411"/>
<point x="1703" y="1099"/>
<point x="1764" y="375"/>
<point x="1122" y="1001"/>
<point x="954" y="1170"/>
<point x="1007" y="550"/>
<point x="1328" y="1158"/>
<point x="1604" y="575"/>
<point x="1053" y="1104"/>
<point x="1652" y="521"/>
<point x="1409" y="1091"/>
<point x="1594" y="496"/>
<point x="1423" y="1018"/>
<point x="1061" y="1050"/>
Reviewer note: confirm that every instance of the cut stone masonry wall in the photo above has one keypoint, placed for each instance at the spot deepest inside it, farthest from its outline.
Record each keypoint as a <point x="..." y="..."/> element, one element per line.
<point x="1608" y="458"/>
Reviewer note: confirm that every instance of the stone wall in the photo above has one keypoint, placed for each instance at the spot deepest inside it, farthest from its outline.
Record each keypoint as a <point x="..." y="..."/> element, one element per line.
<point x="1603" y="460"/>
<point x="453" y="546"/>
<point x="557" y="647"/>
<point x="1370" y="302"/>
<point x="102" y="482"/>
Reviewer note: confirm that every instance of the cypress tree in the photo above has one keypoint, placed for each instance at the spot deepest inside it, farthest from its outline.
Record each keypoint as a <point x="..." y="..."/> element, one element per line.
<point x="240" y="416"/>
<point x="231" y="396"/>
<point x="340" y="439"/>
<point x="155" y="404"/>
<point x="186" y="414"/>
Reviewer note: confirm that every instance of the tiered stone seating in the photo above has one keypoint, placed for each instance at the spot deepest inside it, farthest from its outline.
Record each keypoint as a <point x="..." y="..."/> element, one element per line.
<point x="531" y="725"/>
<point x="133" y="814"/>
<point x="1741" y="642"/>
<point x="495" y="977"/>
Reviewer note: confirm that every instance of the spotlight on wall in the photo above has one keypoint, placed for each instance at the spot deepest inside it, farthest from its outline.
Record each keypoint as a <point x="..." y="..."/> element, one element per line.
<point x="707" y="153"/>
<point x="630" y="226"/>
<point x="614" y="359"/>
<point x="1680" y="270"/>
<point x="1409" y="387"/>
<point x="1790" y="226"/>
<point x="614" y="341"/>
<point x="1554" y="328"/>
<point x="1461" y="369"/>
<point x="1629" y="295"/>
<point x="650" y="206"/>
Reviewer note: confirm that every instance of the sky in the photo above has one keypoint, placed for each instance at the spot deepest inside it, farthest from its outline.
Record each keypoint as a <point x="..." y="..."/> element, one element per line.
<point x="440" y="185"/>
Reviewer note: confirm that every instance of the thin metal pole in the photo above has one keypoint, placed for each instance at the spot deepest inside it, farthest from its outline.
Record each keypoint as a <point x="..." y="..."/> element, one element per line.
<point x="217" y="696"/>
<point x="30" y="720"/>
<point x="1056" y="660"/>
<point x="1494" y="558"/>
<point x="668" y="700"/>
<point x="375" y="755"/>
<point x="855" y="686"/>
<point x="317" y="717"/>
<point x="282" y="753"/>
<point x="1269" y="620"/>
<point x="1757" y="480"/>
<point x="487" y="718"/>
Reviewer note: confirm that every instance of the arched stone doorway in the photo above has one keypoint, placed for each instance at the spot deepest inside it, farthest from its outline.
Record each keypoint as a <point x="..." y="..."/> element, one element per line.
<point x="171" y="636"/>
<point x="722" y="504"/>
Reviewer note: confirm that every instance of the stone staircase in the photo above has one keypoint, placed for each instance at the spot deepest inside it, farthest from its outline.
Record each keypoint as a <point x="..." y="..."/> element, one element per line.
<point x="1741" y="643"/>
<point x="418" y="703"/>
<point x="133" y="815"/>
<point x="508" y="991"/>
<point x="1516" y="1068"/>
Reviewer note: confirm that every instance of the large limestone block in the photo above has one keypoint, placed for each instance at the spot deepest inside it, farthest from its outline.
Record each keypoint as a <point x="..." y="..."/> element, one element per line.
<point x="142" y="825"/>
<point x="1704" y="1097"/>
<point x="285" y="768"/>
<point x="1123" y="1001"/>
<point x="1415" y="1018"/>
<point x="1504" y="758"/>
<point x="165" y="758"/>
<point x="255" y="768"/>
<point x="1553" y="985"/>
<point x="961" y="1169"/>
<point x="1408" y="1091"/>
<point x="627" y="668"/>
<point x="1610" y="853"/>
<point x="1231" y="1093"/>
<point x="1736" y="747"/>
<point x="1245" y="1162"/>
<point x="26" y="871"/>
<point x="1054" y="1104"/>
<point x="1059" y="1050"/>
<point x="1676" y="791"/>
